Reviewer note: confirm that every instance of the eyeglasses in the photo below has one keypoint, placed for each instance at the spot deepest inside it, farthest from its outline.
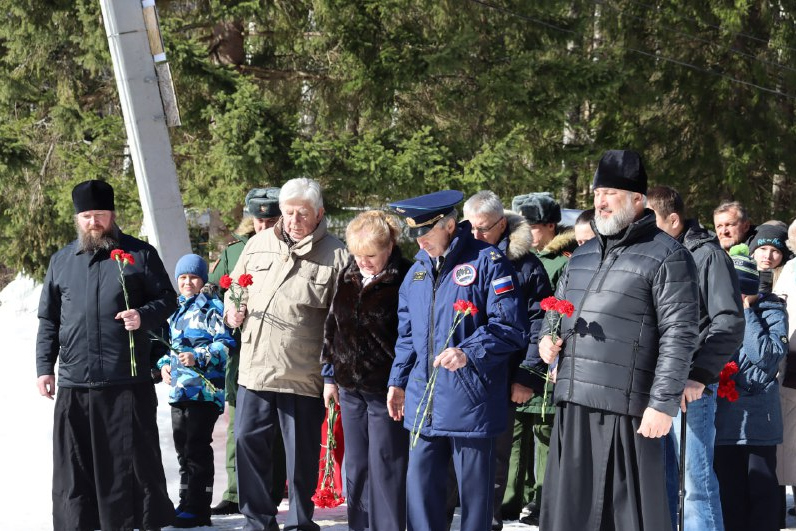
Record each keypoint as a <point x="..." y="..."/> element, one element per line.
<point x="481" y="230"/>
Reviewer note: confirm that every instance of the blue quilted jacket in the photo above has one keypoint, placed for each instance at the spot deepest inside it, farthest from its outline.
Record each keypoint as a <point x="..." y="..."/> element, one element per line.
<point x="471" y="401"/>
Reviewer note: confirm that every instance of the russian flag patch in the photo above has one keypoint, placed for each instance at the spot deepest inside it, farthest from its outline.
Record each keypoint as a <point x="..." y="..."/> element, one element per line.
<point x="502" y="285"/>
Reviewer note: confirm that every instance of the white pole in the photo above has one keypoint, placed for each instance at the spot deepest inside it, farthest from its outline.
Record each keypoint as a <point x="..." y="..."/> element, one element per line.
<point x="147" y="134"/>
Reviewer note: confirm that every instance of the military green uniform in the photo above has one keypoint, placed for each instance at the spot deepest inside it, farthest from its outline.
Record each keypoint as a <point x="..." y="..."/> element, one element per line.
<point x="224" y="266"/>
<point x="531" y="439"/>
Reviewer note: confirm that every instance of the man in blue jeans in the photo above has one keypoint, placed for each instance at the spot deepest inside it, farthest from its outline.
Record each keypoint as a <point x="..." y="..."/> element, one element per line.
<point x="721" y="327"/>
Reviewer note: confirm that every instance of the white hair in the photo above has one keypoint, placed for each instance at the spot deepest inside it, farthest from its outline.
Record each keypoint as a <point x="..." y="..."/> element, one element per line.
<point x="302" y="189"/>
<point x="484" y="202"/>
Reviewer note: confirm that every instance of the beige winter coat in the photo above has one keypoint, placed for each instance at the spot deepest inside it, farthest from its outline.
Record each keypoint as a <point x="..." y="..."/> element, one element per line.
<point x="286" y="305"/>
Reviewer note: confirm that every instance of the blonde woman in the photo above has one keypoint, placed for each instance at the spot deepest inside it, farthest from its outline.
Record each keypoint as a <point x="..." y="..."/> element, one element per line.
<point x="358" y="351"/>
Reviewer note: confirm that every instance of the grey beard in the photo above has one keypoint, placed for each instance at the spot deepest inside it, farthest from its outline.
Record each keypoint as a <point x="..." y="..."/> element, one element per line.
<point x="620" y="220"/>
<point x="106" y="241"/>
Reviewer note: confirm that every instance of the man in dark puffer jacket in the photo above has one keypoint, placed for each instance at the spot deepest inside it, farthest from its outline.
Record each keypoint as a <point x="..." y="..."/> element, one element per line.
<point x="721" y="331"/>
<point x="623" y="362"/>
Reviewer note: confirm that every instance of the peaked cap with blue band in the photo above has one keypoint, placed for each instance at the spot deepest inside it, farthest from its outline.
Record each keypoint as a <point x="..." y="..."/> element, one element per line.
<point x="424" y="211"/>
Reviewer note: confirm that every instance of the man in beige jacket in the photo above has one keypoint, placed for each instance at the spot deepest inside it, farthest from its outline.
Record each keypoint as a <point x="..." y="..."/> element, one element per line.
<point x="294" y="266"/>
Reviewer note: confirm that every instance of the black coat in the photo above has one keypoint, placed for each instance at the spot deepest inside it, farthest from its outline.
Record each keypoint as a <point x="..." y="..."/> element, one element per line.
<point x="721" y="319"/>
<point x="79" y="301"/>
<point x="634" y="330"/>
<point x="362" y="326"/>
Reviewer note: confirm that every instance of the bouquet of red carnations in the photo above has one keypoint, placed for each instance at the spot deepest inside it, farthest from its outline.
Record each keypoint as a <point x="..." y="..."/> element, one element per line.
<point x="326" y="494"/>
<point x="236" y="288"/>
<point x="727" y="384"/>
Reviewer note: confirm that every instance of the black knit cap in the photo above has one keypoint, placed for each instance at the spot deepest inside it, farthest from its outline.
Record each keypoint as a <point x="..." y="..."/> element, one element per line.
<point x="770" y="235"/>
<point x="623" y="170"/>
<point x="92" y="195"/>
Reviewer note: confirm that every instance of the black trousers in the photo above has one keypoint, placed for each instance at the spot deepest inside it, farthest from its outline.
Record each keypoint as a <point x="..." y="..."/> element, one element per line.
<point x="107" y="466"/>
<point x="377" y="453"/>
<point x="748" y="487"/>
<point x="192" y="424"/>
<point x="256" y="417"/>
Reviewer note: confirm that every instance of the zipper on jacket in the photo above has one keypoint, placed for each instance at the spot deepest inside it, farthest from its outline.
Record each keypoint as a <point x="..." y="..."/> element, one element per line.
<point x="431" y="349"/>
<point x="575" y="336"/>
<point x="99" y="327"/>
<point x="632" y="369"/>
<point x="609" y="261"/>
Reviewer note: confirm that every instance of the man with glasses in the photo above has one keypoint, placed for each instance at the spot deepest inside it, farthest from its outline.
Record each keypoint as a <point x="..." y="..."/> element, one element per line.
<point x="469" y="362"/>
<point x="511" y="233"/>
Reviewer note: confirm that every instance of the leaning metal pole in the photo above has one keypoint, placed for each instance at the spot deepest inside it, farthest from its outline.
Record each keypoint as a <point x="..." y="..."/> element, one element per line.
<point x="134" y="67"/>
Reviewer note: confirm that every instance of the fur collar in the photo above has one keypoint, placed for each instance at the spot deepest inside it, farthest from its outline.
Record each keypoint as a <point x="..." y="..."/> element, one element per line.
<point x="563" y="242"/>
<point x="520" y="239"/>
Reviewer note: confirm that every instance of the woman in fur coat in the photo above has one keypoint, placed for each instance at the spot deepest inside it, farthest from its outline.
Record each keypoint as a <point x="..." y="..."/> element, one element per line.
<point x="358" y="351"/>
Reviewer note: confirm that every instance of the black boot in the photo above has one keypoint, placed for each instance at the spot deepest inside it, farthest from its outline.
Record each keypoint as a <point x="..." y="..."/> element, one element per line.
<point x="225" y="507"/>
<point x="187" y="520"/>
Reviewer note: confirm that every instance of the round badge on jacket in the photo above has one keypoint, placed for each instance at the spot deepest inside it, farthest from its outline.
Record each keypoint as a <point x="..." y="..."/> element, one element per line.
<point x="464" y="275"/>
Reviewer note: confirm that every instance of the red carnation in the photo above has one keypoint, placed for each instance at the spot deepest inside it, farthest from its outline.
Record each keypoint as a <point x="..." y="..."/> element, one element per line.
<point x="465" y="307"/>
<point x="726" y="384"/>
<point x="225" y="281"/>
<point x="549" y="303"/>
<point x="122" y="259"/>
<point x="565" y="307"/>
<point x="244" y="280"/>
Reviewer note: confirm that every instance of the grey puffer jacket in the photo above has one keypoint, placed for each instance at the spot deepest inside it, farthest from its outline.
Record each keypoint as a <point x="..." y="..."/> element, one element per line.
<point x="630" y="340"/>
<point x="721" y="322"/>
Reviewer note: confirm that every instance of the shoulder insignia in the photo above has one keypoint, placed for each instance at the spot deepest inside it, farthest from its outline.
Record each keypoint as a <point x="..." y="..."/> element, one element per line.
<point x="503" y="285"/>
<point x="784" y="339"/>
<point x="419" y="275"/>
<point x="464" y="275"/>
<point x="494" y="256"/>
<point x="214" y="265"/>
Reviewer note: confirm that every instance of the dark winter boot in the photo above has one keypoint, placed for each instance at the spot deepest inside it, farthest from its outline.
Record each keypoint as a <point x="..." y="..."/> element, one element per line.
<point x="187" y="520"/>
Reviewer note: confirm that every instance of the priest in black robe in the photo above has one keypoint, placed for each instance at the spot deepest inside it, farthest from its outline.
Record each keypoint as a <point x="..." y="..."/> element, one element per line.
<point x="621" y="361"/>
<point x="107" y="467"/>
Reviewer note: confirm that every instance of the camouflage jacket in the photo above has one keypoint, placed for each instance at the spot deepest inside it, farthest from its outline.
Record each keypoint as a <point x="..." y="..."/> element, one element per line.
<point x="197" y="326"/>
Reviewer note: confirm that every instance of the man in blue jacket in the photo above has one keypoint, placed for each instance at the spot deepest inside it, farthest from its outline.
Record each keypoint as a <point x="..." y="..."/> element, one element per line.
<point x="107" y="467"/>
<point x="465" y="412"/>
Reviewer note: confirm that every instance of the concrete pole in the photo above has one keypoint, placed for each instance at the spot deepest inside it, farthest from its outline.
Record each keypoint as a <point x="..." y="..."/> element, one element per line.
<point x="147" y="134"/>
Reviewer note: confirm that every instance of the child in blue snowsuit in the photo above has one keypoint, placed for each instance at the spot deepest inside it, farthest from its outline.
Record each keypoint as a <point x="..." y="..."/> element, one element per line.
<point x="195" y="370"/>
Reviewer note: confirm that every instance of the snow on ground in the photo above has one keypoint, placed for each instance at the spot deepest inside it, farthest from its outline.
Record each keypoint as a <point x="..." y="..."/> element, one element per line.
<point x="26" y="433"/>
